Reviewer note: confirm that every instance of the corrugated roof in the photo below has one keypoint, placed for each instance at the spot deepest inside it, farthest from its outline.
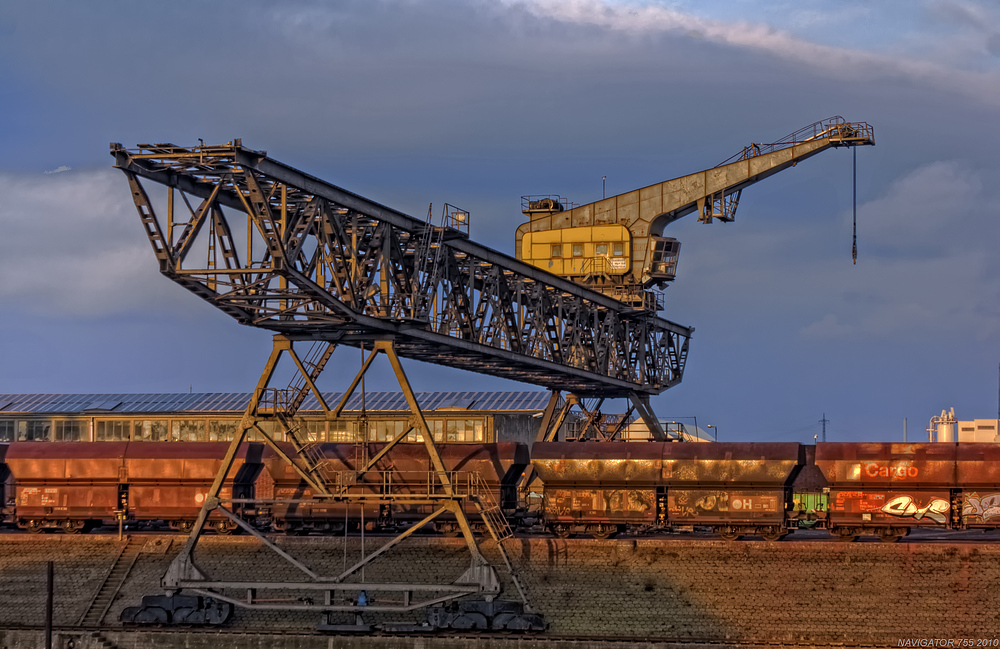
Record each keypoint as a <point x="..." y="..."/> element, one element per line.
<point x="237" y="402"/>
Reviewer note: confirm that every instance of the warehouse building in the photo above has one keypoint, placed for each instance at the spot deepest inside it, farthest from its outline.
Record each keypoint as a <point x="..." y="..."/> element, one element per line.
<point x="375" y="416"/>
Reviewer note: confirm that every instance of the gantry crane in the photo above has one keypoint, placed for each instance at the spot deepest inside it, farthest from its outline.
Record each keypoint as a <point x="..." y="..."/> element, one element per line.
<point x="279" y="249"/>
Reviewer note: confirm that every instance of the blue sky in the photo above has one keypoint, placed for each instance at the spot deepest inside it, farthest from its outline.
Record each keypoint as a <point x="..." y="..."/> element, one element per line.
<point x="476" y="103"/>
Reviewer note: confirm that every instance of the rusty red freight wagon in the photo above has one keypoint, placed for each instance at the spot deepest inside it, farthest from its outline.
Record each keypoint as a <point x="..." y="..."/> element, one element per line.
<point x="491" y="470"/>
<point x="76" y="486"/>
<point x="600" y="489"/>
<point x="978" y="482"/>
<point x="886" y="489"/>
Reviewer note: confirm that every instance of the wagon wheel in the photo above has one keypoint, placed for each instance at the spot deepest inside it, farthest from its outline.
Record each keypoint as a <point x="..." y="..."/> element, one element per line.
<point x="183" y="526"/>
<point x="72" y="527"/>
<point x="728" y="533"/>
<point x="226" y="527"/>
<point x="34" y="527"/>
<point x="889" y="535"/>
<point x="560" y="530"/>
<point x="602" y="532"/>
<point x="772" y="535"/>
<point x="847" y="538"/>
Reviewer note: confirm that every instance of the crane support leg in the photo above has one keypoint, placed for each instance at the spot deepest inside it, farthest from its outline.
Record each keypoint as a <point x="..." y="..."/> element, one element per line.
<point x="641" y="404"/>
<point x="447" y="492"/>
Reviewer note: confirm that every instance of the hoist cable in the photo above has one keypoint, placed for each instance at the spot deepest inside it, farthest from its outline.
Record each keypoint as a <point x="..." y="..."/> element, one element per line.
<point x="854" y="248"/>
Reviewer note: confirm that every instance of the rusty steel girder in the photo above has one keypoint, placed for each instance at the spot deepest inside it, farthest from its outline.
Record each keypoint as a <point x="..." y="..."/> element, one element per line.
<point x="276" y="248"/>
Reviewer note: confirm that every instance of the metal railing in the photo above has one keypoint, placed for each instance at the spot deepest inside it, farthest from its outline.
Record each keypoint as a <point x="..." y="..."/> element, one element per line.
<point x="408" y="484"/>
<point x="833" y="127"/>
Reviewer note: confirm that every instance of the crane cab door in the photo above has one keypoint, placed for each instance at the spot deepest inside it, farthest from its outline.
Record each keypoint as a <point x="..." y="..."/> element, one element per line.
<point x="663" y="263"/>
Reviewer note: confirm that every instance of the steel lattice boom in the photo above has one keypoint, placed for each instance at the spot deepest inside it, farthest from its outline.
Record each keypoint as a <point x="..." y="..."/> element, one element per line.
<point x="279" y="249"/>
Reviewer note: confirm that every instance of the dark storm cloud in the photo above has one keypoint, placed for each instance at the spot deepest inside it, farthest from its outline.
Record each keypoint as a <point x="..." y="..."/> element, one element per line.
<point x="477" y="103"/>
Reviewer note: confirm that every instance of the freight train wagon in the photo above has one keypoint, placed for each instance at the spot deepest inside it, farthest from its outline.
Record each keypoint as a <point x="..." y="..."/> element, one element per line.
<point x="492" y="470"/>
<point x="601" y="488"/>
<point x="76" y="486"/>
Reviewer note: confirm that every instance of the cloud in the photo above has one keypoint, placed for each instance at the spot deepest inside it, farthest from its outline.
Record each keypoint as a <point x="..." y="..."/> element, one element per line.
<point x="828" y="327"/>
<point x="642" y="18"/>
<point x="73" y="247"/>
<point x="926" y="211"/>
<point x="57" y="170"/>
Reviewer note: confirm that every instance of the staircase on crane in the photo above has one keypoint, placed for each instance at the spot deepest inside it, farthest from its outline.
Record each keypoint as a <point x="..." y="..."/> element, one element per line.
<point x="113" y="581"/>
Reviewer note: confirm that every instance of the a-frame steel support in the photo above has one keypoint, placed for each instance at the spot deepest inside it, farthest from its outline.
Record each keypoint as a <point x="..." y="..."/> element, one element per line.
<point x="447" y="491"/>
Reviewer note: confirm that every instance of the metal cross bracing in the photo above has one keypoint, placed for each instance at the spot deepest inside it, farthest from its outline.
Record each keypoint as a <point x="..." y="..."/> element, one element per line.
<point x="445" y="491"/>
<point x="279" y="249"/>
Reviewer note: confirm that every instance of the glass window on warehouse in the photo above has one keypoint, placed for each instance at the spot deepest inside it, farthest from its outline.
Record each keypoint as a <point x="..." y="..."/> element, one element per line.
<point x="112" y="430"/>
<point x="452" y="430"/>
<point x="34" y="431"/>
<point x="384" y="430"/>
<point x="6" y="430"/>
<point x="343" y="431"/>
<point x="272" y="428"/>
<point x="71" y="431"/>
<point x="315" y="431"/>
<point x="463" y="430"/>
<point x="187" y="430"/>
<point x="222" y="430"/>
<point x="437" y="431"/>
<point x="151" y="430"/>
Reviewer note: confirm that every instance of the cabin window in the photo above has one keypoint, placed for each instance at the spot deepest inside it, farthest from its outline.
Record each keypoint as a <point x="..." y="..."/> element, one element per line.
<point x="70" y="431"/>
<point x="577" y="249"/>
<point x="618" y="249"/>
<point x="112" y="430"/>
<point x="34" y="431"/>
<point x="556" y="250"/>
<point x="601" y="249"/>
<point x="7" y="430"/>
<point x="147" y="430"/>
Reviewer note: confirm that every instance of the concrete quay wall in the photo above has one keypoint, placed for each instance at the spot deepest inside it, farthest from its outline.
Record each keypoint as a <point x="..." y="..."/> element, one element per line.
<point x="691" y="592"/>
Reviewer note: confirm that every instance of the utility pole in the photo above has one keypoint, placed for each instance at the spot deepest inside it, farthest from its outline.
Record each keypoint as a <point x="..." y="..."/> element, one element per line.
<point x="824" y="421"/>
<point x="904" y="430"/>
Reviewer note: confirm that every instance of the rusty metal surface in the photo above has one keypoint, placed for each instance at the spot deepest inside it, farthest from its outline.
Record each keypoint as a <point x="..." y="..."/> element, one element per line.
<point x="978" y="465"/>
<point x="730" y="464"/>
<point x="723" y="506"/>
<point x="644" y="463"/>
<point x="55" y="502"/>
<point x="149" y="502"/>
<point x="495" y="463"/>
<point x="39" y="462"/>
<point x="599" y="505"/>
<point x="594" y="463"/>
<point x="175" y="461"/>
<point x="888" y="464"/>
